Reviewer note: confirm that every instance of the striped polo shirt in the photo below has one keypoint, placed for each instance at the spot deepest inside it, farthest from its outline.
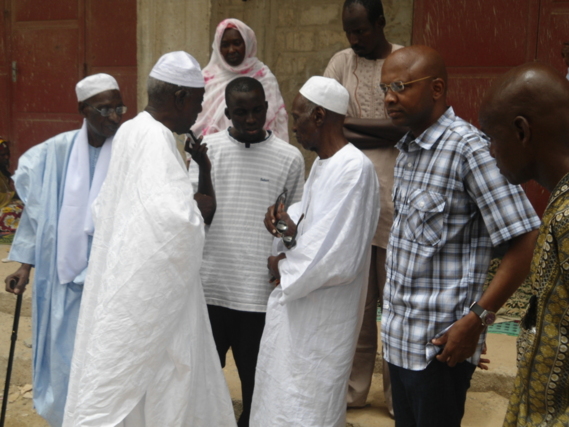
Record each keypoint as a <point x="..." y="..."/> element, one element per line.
<point x="247" y="181"/>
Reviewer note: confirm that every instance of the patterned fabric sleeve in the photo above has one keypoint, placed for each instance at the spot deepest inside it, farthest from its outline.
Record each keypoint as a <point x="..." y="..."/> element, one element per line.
<point x="540" y="388"/>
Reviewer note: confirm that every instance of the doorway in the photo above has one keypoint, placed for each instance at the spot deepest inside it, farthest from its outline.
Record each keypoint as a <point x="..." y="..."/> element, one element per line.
<point x="46" y="47"/>
<point x="481" y="39"/>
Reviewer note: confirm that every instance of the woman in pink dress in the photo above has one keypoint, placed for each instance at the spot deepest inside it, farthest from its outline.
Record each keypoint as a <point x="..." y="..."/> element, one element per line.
<point x="234" y="50"/>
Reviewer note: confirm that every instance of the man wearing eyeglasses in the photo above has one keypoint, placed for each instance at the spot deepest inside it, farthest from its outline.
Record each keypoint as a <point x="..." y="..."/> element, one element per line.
<point x="58" y="180"/>
<point x="358" y="69"/>
<point x="452" y="206"/>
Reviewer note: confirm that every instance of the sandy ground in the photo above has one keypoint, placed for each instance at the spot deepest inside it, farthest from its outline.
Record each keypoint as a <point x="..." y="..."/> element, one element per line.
<point x="485" y="407"/>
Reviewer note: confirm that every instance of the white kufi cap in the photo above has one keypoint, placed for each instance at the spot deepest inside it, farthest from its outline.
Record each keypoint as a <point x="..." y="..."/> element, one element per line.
<point x="95" y="84"/>
<point x="327" y="93"/>
<point x="178" y="68"/>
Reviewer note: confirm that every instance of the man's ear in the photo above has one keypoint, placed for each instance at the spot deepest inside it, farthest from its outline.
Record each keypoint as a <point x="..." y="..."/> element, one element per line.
<point x="319" y="115"/>
<point x="439" y="86"/>
<point x="180" y="98"/>
<point x="81" y="108"/>
<point x="381" y="22"/>
<point x="523" y="130"/>
<point x="227" y="113"/>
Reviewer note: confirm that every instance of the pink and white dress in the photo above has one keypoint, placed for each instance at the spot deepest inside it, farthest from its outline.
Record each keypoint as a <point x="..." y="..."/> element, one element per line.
<point x="219" y="73"/>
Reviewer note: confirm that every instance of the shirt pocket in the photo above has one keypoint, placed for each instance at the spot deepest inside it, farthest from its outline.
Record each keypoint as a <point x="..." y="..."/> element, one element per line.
<point x="425" y="217"/>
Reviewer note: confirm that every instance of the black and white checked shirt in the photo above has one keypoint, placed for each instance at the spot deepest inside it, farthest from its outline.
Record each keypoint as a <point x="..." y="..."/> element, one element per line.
<point x="452" y="206"/>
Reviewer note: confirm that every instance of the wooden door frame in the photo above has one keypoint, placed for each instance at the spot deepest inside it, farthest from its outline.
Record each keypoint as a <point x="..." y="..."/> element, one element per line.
<point x="7" y="20"/>
<point x="77" y="24"/>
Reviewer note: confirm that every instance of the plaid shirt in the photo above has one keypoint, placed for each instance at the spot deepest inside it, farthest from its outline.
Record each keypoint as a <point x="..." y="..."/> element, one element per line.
<point x="451" y="206"/>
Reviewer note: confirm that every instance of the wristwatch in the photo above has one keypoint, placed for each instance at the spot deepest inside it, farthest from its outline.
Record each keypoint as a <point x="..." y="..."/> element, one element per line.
<point x="488" y="317"/>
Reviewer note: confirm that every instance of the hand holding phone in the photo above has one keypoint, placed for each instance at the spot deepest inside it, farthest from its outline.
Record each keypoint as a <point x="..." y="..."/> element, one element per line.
<point x="191" y="142"/>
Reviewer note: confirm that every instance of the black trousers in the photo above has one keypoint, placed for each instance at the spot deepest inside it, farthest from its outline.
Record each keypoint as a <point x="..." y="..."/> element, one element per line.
<point x="433" y="397"/>
<point x="241" y="331"/>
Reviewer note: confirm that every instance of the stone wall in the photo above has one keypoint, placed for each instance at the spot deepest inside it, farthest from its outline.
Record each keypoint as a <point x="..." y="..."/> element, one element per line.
<point x="296" y="38"/>
<point x="255" y="13"/>
<point x="169" y="25"/>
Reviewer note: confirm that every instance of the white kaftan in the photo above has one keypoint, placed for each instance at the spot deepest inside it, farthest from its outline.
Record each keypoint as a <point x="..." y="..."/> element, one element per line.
<point x="143" y="337"/>
<point x="313" y="317"/>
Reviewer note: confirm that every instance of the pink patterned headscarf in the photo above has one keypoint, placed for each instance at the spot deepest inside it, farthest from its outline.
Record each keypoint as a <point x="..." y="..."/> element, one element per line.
<point x="219" y="73"/>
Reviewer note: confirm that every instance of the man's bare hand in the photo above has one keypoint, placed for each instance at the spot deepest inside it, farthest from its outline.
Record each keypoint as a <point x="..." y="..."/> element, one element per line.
<point x="273" y="266"/>
<point x="460" y="340"/>
<point x="21" y="277"/>
<point x="271" y="221"/>
<point x="198" y="151"/>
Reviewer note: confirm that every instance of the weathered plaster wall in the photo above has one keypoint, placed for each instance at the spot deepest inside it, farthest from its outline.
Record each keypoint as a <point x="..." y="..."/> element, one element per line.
<point x="255" y="13"/>
<point x="297" y="38"/>
<point x="306" y="34"/>
<point x="168" y="25"/>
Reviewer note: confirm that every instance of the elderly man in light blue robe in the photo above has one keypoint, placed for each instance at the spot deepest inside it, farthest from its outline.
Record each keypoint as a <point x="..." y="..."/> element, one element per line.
<point x="58" y="180"/>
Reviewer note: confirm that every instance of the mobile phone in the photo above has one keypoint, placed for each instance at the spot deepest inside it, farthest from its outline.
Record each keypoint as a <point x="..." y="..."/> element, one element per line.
<point x="190" y="141"/>
<point x="281" y="199"/>
<point x="281" y="225"/>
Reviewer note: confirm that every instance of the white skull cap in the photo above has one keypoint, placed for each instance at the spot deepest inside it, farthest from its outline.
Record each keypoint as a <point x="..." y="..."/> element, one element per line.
<point x="178" y="68"/>
<point x="327" y="93"/>
<point x="95" y="84"/>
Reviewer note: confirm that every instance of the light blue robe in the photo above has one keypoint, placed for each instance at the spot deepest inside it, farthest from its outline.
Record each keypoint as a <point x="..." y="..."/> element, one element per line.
<point x="39" y="181"/>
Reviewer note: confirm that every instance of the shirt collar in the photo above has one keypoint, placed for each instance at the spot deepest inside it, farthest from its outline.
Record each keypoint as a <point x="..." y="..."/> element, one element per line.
<point x="430" y="136"/>
<point x="250" y="144"/>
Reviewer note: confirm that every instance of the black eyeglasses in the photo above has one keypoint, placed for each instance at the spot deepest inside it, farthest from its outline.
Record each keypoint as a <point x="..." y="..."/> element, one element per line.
<point x="106" y="112"/>
<point x="399" y="86"/>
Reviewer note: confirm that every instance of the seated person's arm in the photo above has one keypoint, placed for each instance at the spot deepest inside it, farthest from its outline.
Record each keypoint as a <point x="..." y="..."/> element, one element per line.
<point x="372" y="133"/>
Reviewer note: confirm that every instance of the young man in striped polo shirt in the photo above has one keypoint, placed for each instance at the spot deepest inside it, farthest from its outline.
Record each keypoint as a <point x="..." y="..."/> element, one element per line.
<point x="250" y="167"/>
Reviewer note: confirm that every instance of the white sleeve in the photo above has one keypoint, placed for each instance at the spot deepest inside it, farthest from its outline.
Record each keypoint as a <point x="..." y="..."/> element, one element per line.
<point x="332" y="251"/>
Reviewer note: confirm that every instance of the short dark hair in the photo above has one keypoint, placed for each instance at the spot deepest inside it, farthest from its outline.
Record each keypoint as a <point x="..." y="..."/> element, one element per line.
<point x="243" y="84"/>
<point x="374" y="8"/>
<point x="159" y="91"/>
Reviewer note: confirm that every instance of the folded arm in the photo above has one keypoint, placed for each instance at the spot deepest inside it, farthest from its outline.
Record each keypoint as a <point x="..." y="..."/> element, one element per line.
<point x="372" y="133"/>
<point x="330" y="250"/>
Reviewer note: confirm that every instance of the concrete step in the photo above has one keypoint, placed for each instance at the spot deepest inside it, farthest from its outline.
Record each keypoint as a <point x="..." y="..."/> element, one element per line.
<point x="487" y="399"/>
<point x="499" y="378"/>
